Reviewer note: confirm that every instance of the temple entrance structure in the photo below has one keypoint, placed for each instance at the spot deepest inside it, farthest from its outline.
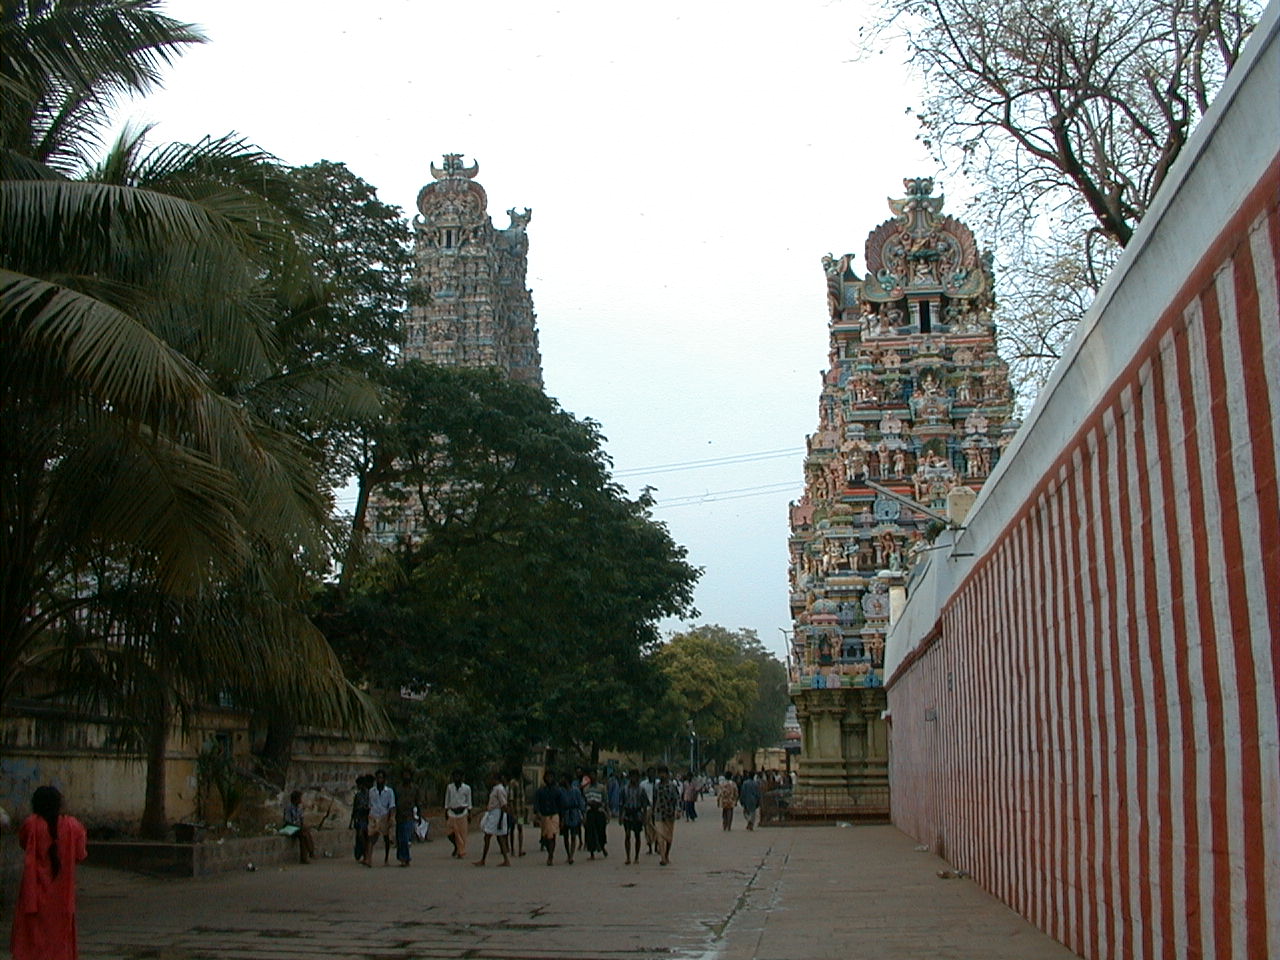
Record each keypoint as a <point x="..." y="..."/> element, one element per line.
<point x="915" y="410"/>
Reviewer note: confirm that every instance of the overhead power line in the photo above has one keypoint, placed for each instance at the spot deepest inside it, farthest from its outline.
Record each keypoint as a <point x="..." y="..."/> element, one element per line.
<point x="711" y="462"/>
<point x="712" y="496"/>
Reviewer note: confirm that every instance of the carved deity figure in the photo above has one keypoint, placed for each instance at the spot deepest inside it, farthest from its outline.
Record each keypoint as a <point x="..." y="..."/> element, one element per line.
<point x="899" y="463"/>
<point x="857" y="464"/>
<point x="920" y="484"/>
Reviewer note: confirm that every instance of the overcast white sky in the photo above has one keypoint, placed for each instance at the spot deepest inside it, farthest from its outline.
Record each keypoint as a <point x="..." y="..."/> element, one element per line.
<point x="687" y="163"/>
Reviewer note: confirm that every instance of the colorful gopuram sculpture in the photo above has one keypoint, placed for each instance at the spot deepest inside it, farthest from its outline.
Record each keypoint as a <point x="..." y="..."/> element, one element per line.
<point x="477" y="310"/>
<point x="916" y="402"/>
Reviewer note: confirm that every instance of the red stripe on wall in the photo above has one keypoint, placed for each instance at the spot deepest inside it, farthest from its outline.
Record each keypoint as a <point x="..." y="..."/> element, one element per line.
<point x="1065" y="900"/>
<point x="1157" y="747"/>
<point x="1246" y="678"/>
<point x="1211" y="671"/>
<point x="1168" y="380"/>
<point x="1082" y="731"/>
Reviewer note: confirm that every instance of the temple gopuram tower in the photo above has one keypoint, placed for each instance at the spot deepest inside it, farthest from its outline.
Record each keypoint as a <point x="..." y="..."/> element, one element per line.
<point x="917" y="403"/>
<point x="477" y="310"/>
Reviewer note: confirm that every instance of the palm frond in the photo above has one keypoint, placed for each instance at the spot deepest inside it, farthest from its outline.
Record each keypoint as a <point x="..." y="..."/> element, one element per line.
<point x="104" y="352"/>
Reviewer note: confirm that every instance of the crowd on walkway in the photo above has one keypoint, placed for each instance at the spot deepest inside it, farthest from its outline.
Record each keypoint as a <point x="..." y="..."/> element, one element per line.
<point x="571" y="812"/>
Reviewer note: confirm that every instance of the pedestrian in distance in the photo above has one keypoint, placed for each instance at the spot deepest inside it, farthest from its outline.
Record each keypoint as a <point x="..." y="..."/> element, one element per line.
<point x="295" y="826"/>
<point x="457" y="811"/>
<point x="666" y="804"/>
<point x="615" y="795"/>
<point x="360" y="814"/>
<point x="571" y="817"/>
<point x="689" y="794"/>
<point x="518" y="806"/>
<point x="44" y="917"/>
<point x="727" y="799"/>
<point x="548" y="803"/>
<point x="496" y="821"/>
<point x="596" y="823"/>
<point x="382" y="810"/>
<point x="407" y="803"/>
<point x="633" y="812"/>
<point x="649" y="785"/>
<point x="749" y="797"/>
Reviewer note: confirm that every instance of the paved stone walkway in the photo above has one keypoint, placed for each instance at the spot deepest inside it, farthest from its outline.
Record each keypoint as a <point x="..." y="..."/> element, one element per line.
<point x="799" y="893"/>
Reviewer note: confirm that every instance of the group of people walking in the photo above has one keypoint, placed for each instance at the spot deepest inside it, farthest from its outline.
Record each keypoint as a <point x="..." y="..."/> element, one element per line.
<point x="379" y="810"/>
<point x="570" y="812"/>
<point x="745" y="790"/>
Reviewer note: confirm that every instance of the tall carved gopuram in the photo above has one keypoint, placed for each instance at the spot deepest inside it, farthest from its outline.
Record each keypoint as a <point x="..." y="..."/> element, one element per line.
<point x="477" y="311"/>
<point x="916" y="402"/>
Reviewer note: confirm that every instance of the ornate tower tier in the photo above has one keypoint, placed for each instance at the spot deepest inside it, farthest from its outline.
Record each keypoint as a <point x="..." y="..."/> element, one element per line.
<point x="915" y="401"/>
<point x="477" y="311"/>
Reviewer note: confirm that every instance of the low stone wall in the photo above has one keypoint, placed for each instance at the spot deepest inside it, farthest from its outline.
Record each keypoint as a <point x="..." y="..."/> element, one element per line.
<point x="212" y="856"/>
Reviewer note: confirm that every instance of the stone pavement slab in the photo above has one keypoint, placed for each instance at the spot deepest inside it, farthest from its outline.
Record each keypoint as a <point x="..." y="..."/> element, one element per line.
<point x="773" y="894"/>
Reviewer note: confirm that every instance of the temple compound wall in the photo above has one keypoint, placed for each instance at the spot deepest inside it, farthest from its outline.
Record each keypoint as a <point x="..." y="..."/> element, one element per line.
<point x="1083" y="690"/>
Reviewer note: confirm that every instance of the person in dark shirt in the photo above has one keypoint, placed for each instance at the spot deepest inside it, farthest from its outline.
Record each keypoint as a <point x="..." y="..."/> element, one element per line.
<point x="548" y="804"/>
<point x="749" y="797"/>
<point x="360" y="813"/>
<point x="633" y="807"/>
<point x="573" y="808"/>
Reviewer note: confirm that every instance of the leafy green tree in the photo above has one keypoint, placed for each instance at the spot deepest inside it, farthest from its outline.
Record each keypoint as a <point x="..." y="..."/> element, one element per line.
<point x="711" y="684"/>
<point x="731" y="688"/>
<point x="360" y="251"/>
<point x="532" y="584"/>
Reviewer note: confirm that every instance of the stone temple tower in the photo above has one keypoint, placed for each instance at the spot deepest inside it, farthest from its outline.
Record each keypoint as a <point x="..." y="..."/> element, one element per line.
<point x="916" y="402"/>
<point x="477" y="311"/>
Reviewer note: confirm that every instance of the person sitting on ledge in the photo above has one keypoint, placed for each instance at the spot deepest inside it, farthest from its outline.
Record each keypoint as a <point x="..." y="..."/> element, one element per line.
<point x="293" y="819"/>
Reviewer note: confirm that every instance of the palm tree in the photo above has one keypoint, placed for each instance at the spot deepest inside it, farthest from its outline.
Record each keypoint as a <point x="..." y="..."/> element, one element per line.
<point x="157" y="510"/>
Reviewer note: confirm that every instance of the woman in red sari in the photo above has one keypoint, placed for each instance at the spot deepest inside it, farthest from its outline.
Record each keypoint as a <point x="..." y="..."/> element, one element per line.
<point x="44" y="919"/>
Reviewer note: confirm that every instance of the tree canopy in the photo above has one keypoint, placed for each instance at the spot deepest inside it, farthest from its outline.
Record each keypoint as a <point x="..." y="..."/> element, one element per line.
<point x="531" y="585"/>
<point x="728" y="685"/>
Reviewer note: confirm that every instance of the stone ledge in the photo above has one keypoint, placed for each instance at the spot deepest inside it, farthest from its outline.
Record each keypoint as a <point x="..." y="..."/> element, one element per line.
<point x="211" y="856"/>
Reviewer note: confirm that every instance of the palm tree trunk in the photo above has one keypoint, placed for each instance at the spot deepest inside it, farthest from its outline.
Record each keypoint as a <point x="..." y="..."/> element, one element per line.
<point x="155" y="825"/>
<point x="277" y="750"/>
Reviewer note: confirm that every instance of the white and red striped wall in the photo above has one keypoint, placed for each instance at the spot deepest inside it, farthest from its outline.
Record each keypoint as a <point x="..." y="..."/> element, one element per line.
<point x="1083" y="688"/>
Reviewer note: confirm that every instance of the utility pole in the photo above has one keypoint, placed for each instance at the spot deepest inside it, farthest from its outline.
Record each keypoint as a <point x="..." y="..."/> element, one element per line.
<point x="693" y="747"/>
